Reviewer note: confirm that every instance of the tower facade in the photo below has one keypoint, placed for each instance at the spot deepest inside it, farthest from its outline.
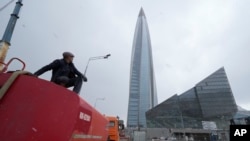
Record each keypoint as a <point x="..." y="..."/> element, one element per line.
<point x="142" y="87"/>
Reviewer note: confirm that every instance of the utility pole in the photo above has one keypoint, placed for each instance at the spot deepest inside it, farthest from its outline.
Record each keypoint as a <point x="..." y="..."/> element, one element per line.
<point x="95" y="58"/>
<point x="5" y="42"/>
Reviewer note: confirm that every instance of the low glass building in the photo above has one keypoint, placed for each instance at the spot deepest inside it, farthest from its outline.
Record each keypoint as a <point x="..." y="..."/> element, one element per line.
<point x="208" y="105"/>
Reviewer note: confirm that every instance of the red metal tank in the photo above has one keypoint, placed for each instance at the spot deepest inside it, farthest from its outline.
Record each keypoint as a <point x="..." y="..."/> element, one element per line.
<point x="33" y="109"/>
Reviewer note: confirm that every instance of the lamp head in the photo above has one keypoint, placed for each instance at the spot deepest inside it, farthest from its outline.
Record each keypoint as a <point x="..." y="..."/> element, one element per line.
<point x="105" y="57"/>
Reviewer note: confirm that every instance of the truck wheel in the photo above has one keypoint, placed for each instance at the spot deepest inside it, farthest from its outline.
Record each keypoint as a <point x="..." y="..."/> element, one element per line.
<point x="108" y="138"/>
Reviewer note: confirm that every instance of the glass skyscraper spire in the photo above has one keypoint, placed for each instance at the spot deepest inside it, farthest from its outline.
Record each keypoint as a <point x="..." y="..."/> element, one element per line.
<point x="142" y="90"/>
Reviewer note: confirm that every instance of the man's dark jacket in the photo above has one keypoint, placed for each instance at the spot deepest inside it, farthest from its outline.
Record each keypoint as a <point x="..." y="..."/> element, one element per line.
<point x="59" y="68"/>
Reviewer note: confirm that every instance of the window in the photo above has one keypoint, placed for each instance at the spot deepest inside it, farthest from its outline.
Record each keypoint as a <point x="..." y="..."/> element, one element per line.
<point x="111" y="124"/>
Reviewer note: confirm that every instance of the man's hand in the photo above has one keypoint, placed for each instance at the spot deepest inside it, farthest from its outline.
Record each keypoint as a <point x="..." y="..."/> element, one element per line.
<point x="84" y="78"/>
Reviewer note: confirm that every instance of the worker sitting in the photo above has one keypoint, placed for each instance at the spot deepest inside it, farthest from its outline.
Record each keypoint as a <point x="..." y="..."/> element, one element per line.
<point x="64" y="72"/>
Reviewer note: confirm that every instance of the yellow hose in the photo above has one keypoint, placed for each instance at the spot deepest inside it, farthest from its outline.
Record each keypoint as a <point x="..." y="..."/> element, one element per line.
<point x="10" y="81"/>
<point x="3" y="51"/>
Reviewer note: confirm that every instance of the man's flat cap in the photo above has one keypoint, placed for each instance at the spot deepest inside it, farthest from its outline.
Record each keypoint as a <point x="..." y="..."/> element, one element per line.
<point x="67" y="54"/>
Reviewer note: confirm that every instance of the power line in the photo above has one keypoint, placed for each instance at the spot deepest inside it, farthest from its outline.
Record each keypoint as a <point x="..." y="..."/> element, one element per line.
<point x="6" y="5"/>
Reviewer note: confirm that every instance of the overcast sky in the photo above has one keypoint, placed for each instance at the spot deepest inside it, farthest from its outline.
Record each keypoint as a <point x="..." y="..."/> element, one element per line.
<point x="190" y="40"/>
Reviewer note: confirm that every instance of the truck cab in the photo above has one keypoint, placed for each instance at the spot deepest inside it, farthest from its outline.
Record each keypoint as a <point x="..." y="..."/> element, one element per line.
<point x="115" y="126"/>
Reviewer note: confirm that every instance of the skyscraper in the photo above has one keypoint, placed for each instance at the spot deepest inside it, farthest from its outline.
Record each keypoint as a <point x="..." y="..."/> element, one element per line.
<point x="142" y="90"/>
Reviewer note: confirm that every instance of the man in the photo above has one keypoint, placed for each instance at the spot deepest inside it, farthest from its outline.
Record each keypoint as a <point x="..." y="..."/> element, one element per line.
<point x="64" y="72"/>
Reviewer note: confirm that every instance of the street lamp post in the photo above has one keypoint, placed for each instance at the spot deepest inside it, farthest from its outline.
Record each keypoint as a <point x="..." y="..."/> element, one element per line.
<point x="95" y="58"/>
<point x="97" y="100"/>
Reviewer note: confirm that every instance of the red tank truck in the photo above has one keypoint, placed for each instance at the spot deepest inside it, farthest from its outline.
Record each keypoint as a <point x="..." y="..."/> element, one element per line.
<point x="33" y="109"/>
